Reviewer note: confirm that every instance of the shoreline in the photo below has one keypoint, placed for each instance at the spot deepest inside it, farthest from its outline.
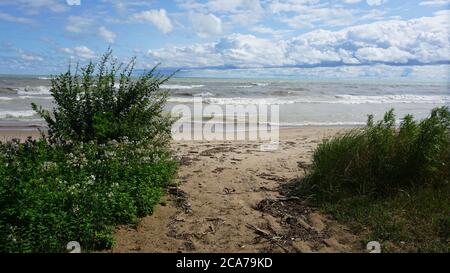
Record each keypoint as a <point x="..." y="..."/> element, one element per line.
<point x="8" y="133"/>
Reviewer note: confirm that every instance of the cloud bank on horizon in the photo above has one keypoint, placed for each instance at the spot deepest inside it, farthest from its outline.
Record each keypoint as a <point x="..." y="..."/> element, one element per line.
<point x="43" y="36"/>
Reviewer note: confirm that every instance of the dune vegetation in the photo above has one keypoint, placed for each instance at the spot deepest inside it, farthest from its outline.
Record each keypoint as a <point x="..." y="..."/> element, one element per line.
<point x="104" y="161"/>
<point x="389" y="181"/>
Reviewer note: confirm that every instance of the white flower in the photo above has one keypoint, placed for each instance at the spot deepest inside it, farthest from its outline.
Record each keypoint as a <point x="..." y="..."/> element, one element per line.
<point x="12" y="238"/>
<point x="47" y="165"/>
<point x="110" y="154"/>
<point x="113" y="142"/>
<point x="91" y="180"/>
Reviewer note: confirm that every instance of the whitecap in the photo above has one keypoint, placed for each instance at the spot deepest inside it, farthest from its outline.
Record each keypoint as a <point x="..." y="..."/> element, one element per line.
<point x="17" y="114"/>
<point x="391" y="99"/>
<point x="178" y="86"/>
<point x="35" y="90"/>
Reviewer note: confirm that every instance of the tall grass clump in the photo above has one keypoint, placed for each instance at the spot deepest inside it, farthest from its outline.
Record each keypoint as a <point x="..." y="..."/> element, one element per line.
<point x="104" y="161"/>
<point x="388" y="179"/>
<point x="382" y="158"/>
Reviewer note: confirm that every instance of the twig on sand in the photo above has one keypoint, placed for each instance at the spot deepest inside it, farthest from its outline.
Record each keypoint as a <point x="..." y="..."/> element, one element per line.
<point x="288" y="198"/>
<point x="260" y="231"/>
<point x="266" y="234"/>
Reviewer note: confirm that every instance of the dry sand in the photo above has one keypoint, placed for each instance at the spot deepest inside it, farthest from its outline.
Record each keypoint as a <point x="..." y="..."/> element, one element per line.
<point x="233" y="197"/>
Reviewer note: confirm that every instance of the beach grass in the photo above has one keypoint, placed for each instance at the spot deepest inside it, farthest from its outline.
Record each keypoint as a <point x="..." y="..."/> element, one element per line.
<point x="390" y="181"/>
<point x="413" y="220"/>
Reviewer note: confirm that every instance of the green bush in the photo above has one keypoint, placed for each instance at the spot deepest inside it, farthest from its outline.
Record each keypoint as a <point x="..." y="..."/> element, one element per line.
<point x="90" y="105"/>
<point x="106" y="161"/>
<point x="382" y="158"/>
<point x="53" y="194"/>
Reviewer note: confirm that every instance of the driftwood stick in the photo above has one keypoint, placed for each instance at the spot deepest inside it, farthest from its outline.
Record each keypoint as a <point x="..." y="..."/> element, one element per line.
<point x="288" y="198"/>
<point x="260" y="231"/>
<point x="267" y="235"/>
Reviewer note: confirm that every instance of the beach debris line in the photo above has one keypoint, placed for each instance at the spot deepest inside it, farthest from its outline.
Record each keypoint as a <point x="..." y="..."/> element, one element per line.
<point x="181" y="199"/>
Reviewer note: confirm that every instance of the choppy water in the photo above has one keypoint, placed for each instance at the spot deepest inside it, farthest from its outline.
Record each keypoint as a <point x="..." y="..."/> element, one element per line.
<point x="301" y="102"/>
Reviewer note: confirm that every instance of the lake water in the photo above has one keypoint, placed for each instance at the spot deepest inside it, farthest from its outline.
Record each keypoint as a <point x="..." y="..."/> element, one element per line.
<point x="301" y="102"/>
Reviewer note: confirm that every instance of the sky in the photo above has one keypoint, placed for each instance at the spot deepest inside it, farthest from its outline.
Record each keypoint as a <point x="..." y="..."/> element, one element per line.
<point x="45" y="36"/>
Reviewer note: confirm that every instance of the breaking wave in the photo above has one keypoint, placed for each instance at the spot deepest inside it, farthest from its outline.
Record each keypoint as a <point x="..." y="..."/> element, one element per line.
<point x="337" y="99"/>
<point x="17" y="114"/>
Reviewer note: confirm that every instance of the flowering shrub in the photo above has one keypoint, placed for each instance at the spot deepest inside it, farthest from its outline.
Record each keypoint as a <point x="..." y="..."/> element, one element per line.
<point x="53" y="194"/>
<point x="105" y="161"/>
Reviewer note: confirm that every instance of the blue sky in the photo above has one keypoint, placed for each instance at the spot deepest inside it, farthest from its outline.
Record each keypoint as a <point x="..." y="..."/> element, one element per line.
<point x="44" y="36"/>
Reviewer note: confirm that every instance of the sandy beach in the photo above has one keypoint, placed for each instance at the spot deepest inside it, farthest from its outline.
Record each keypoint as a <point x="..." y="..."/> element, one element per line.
<point x="233" y="197"/>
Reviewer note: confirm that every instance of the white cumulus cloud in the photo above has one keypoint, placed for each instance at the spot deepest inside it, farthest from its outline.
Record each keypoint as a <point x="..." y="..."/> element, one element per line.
<point x="205" y="24"/>
<point x="31" y="57"/>
<point x="35" y="6"/>
<point x="82" y="52"/>
<point x="73" y="2"/>
<point x="14" y="19"/>
<point x="375" y="2"/>
<point x="423" y="40"/>
<point x="435" y="3"/>
<point x="351" y="1"/>
<point x="376" y="54"/>
<point x="78" y="24"/>
<point x="107" y="35"/>
<point x="158" y="18"/>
